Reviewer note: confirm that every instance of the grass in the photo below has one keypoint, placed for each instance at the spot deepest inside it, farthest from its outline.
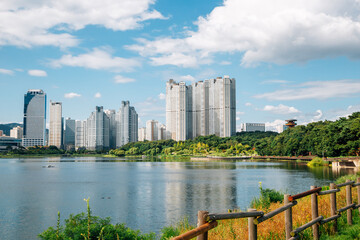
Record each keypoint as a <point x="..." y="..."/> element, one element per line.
<point x="317" y="162"/>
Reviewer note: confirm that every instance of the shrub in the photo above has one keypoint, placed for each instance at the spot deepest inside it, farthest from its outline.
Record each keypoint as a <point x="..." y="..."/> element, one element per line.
<point x="317" y="162"/>
<point x="267" y="196"/>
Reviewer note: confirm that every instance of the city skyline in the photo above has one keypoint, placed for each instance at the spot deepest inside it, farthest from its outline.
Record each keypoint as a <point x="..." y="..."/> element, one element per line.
<point x="290" y="70"/>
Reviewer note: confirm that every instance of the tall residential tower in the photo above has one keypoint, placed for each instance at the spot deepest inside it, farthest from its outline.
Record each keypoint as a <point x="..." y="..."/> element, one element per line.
<point x="56" y="125"/>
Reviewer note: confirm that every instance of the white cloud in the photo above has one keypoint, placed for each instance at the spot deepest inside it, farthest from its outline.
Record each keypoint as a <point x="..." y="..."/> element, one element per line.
<point x="51" y="22"/>
<point x="188" y="78"/>
<point x="72" y="95"/>
<point x="248" y="104"/>
<point x="225" y="63"/>
<point x="237" y="118"/>
<point x="275" y="81"/>
<point x="240" y="113"/>
<point x="6" y="71"/>
<point x="98" y="59"/>
<point x="315" y="90"/>
<point x="280" y="109"/>
<point x="122" y="79"/>
<point x="162" y="96"/>
<point x="319" y="115"/>
<point x="97" y="95"/>
<point x="275" y="126"/>
<point x="37" y="73"/>
<point x="280" y="32"/>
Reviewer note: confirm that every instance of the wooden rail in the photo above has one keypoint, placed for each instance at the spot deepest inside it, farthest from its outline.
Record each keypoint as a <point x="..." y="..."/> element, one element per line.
<point x="208" y="221"/>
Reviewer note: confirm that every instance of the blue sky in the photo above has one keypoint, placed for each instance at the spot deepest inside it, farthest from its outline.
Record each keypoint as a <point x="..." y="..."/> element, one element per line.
<point x="291" y="59"/>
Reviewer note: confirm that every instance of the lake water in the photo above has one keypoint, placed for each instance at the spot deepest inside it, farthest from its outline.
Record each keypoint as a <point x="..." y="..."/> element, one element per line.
<point x="144" y="195"/>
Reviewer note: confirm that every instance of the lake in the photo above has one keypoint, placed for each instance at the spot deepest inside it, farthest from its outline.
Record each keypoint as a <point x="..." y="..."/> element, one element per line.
<point x="143" y="194"/>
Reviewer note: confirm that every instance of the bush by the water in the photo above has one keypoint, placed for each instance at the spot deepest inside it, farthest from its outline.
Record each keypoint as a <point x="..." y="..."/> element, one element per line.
<point x="84" y="226"/>
<point x="317" y="162"/>
<point x="267" y="196"/>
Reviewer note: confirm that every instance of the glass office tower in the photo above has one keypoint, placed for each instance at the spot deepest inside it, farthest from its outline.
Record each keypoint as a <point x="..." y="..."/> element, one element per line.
<point x="34" y="118"/>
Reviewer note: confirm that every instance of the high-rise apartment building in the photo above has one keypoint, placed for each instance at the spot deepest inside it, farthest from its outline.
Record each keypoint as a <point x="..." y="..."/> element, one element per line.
<point x="152" y="130"/>
<point x="98" y="130"/>
<point x="179" y="110"/>
<point x="253" y="127"/>
<point x="69" y="134"/>
<point x="112" y="127"/>
<point x="162" y="132"/>
<point x="204" y="108"/>
<point x="127" y="124"/>
<point x="16" y="132"/>
<point x="80" y="134"/>
<point x="34" y="118"/>
<point x="56" y="125"/>
<point x="141" y="134"/>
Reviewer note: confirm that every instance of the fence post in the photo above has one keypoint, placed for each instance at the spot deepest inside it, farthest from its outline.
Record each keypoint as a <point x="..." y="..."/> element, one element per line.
<point x="201" y="220"/>
<point x="348" y="202"/>
<point x="358" y="192"/>
<point x="288" y="218"/>
<point x="252" y="227"/>
<point x="314" y="213"/>
<point x="333" y="206"/>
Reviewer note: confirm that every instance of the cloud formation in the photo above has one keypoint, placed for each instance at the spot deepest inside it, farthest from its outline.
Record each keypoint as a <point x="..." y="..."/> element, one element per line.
<point x="279" y="32"/>
<point x="37" y="73"/>
<point x="50" y="22"/>
<point x="315" y="90"/>
<point x="98" y="59"/>
<point x="281" y="109"/>
<point x="97" y="95"/>
<point x="6" y="71"/>
<point x="122" y="79"/>
<point x="72" y="95"/>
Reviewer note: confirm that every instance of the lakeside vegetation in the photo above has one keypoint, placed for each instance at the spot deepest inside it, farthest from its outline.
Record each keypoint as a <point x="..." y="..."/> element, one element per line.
<point x="87" y="226"/>
<point x="323" y="138"/>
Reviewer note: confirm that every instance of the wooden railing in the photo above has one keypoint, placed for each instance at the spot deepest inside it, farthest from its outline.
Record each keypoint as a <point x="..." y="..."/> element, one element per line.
<point x="208" y="221"/>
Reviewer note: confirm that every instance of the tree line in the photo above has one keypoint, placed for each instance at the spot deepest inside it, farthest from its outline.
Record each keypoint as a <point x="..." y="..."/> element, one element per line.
<point x="322" y="138"/>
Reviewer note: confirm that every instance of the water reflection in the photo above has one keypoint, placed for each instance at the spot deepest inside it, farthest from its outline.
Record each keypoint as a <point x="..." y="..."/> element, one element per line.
<point x="146" y="195"/>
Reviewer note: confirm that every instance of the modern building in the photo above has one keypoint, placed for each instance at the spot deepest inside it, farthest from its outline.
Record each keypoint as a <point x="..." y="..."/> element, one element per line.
<point x="80" y="134"/>
<point x="141" y="134"/>
<point x="203" y="108"/>
<point x="178" y="110"/>
<point x="69" y="134"/>
<point x="127" y="124"/>
<point x="290" y="123"/>
<point x="1" y="133"/>
<point x="162" y="132"/>
<point x="152" y="130"/>
<point x="56" y="125"/>
<point x="9" y="142"/>
<point x="97" y="126"/>
<point x="111" y="114"/>
<point x="253" y="127"/>
<point x="34" y="118"/>
<point x="16" y="132"/>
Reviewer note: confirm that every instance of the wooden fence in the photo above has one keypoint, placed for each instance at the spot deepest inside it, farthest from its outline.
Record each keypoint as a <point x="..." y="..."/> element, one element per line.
<point x="208" y="221"/>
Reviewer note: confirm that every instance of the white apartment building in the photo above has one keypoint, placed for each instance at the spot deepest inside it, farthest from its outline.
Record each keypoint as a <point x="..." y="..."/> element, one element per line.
<point x="126" y="124"/>
<point x="152" y="130"/>
<point x="80" y="134"/>
<point x="253" y="127"/>
<point x="16" y="132"/>
<point x="141" y="134"/>
<point x="204" y="108"/>
<point x="111" y="114"/>
<point x="97" y="130"/>
<point x="56" y="125"/>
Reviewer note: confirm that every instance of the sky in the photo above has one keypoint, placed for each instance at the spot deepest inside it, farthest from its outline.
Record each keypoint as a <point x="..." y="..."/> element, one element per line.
<point x="291" y="59"/>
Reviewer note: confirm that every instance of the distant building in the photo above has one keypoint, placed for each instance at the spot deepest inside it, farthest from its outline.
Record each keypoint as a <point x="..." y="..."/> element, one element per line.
<point x="162" y="135"/>
<point x="97" y="126"/>
<point x="253" y="127"/>
<point x="16" y="132"/>
<point x="203" y="108"/>
<point x="69" y="134"/>
<point x="80" y="134"/>
<point x="9" y="142"/>
<point x="111" y="114"/>
<point x="127" y="124"/>
<point x="141" y="134"/>
<point x="1" y="133"/>
<point x="152" y="130"/>
<point x="56" y="125"/>
<point x="34" y="118"/>
<point x="290" y="123"/>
